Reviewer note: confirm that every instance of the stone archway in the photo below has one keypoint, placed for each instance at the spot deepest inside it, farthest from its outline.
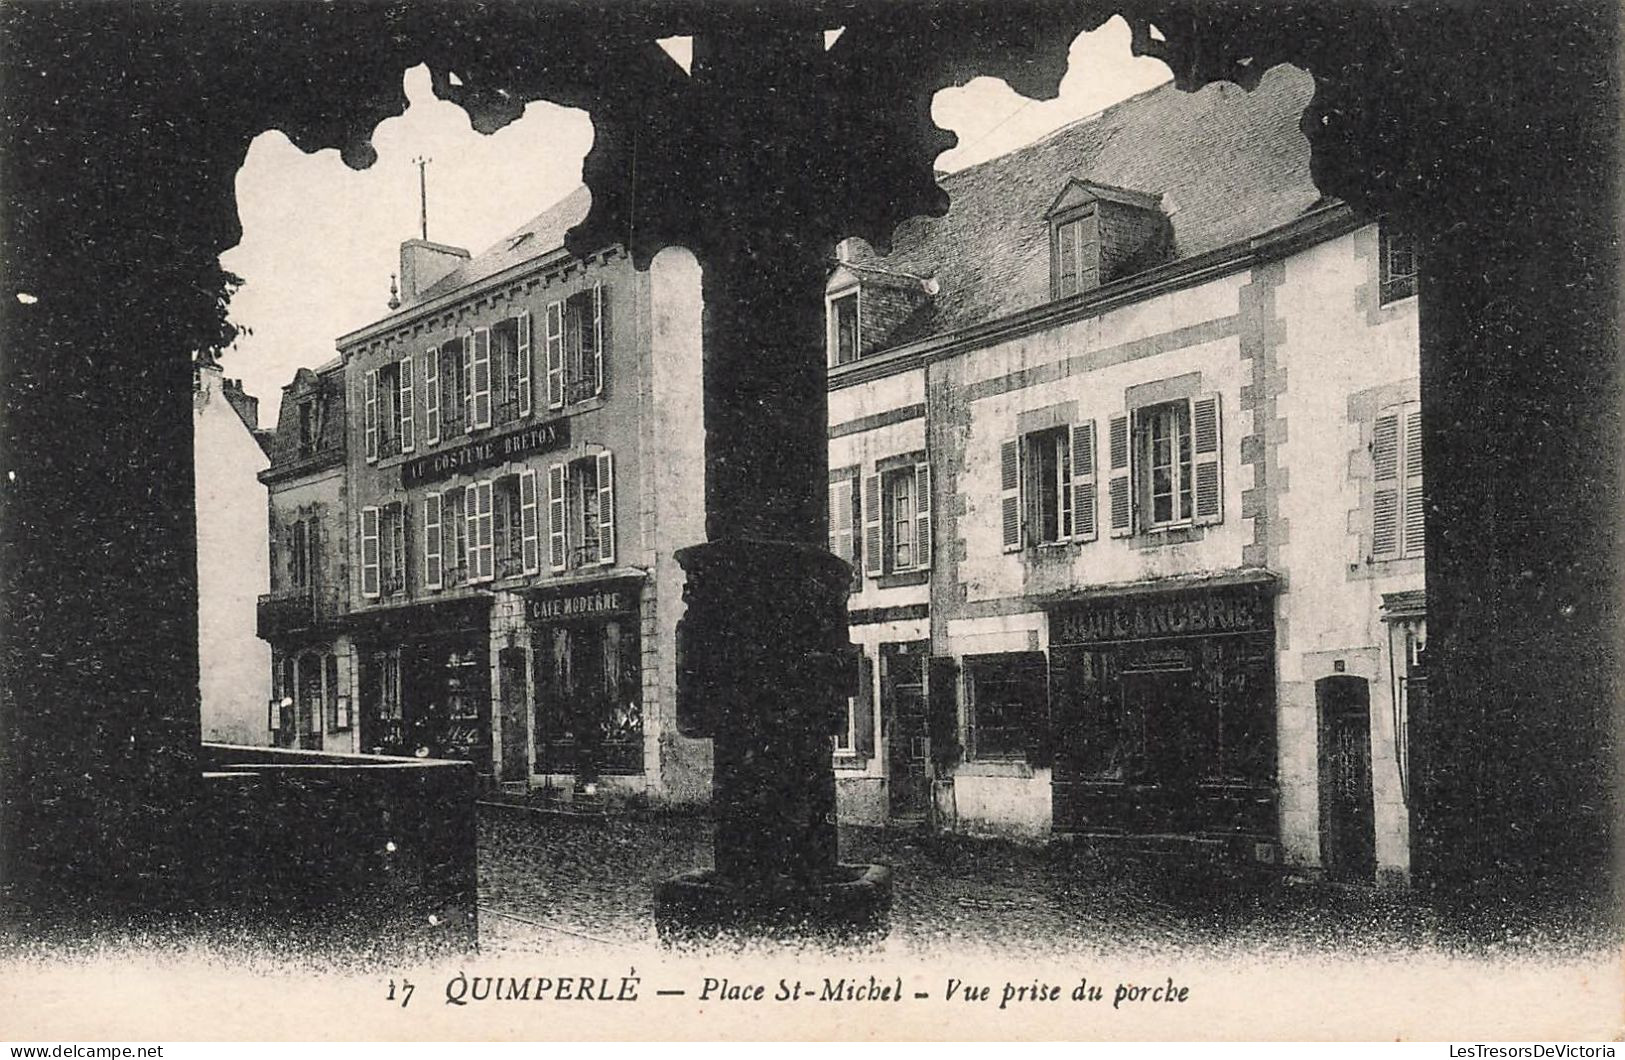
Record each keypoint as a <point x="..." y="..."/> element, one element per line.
<point x="1494" y="131"/>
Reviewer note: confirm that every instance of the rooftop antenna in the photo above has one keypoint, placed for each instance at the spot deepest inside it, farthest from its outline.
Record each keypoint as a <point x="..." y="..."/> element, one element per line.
<point x="423" y="194"/>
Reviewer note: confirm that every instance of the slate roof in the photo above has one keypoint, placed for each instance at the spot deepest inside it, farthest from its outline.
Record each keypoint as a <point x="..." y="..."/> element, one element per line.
<point x="538" y="236"/>
<point x="327" y="383"/>
<point x="1228" y="164"/>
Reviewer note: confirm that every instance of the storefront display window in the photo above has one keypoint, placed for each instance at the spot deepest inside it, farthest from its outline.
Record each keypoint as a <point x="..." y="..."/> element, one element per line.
<point x="588" y="681"/>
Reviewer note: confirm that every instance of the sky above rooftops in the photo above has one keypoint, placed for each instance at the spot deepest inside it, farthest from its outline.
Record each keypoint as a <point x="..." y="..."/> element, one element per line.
<point x="320" y="240"/>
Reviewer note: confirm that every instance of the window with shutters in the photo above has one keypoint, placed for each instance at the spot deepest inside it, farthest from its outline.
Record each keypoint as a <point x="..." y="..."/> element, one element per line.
<point x="514" y="532"/>
<point x="896" y="513"/>
<point x="450" y="389"/>
<point x="383" y="411"/>
<point x="1396" y="262"/>
<point x="577" y="340"/>
<point x="580" y="512"/>
<point x="479" y="531"/>
<point x="1397" y="501"/>
<point x="1164" y="467"/>
<point x="855" y="740"/>
<point x="1047" y="482"/>
<point x="392" y="548"/>
<point x="310" y="425"/>
<point x="845" y="516"/>
<point x="1165" y="451"/>
<point x="1075" y="252"/>
<point x="843" y="329"/>
<point x="1006" y="705"/>
<point x="511" y="369"/>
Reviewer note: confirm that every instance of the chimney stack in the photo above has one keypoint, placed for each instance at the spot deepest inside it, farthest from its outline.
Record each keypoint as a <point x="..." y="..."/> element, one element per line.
<point x="423" y="263"/>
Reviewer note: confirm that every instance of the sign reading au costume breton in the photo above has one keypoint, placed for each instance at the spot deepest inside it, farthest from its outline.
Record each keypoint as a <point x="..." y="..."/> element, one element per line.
<point x="536" y="438"/>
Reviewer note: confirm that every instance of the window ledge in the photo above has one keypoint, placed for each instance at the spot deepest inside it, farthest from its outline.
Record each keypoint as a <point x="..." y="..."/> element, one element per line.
<point x="995" y="767"/>
<point x="851" y="763"/>
<point x="1164" y="536"/>
<point x="902" y="579"/>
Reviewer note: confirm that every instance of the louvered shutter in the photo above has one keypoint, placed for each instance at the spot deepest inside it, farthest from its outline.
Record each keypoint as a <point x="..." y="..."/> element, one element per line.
<point x="471" y="533"/>
<point x="922" y="516"/>
<point x="487" y="556"/>
<point x="1084" y="525"/>
<point x="606" y="508"/>
<point x="555" y="355"/>
<point x="1010" y="494"/>
<point x="863" y="708"/>
<point x="369" y="399"/>
<point x="1385" y="492"/>
<point x="556" y="557"/>
<point x="1207" y="452"/>
<point x="433" y="544"/>
<point x="408" y="411"/>
<point x="404" y="536"/>
<point x="431" y="397"/>
<point x="600" y="318"/>
<point x="468" y="383"/>
<point x="529" y="536"/>
<point x="841" y="537"/>
<point x="481" y="372"/>
<point x="522" y="368"/>
<point x="369" y="553"/>
<point x="874" y="555"/>
<point x="1415" y="520"/>
<point x="1118" y="474"/>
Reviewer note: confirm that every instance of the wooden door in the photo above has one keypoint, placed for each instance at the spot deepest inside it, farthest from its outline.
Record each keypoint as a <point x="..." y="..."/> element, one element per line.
<point x="907" y="728"/>
<point x="515" y="715"/>
<point x="1348" y="840"/>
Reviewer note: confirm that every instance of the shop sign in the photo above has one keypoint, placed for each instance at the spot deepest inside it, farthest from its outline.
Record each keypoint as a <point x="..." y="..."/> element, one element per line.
<point x="587" y="602"/>
<point x="535" y="438"/>
<point x="1141" y="617"/>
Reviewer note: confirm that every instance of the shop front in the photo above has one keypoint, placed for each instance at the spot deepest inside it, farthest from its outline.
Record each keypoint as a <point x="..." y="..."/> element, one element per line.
<point x="1163" y="711"/>
<point x="425" y="680"/>
<point x="588" y="679"/>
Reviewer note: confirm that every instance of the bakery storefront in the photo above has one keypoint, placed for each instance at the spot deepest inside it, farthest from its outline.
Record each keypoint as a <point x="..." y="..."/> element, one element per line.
<point x="1162" y="703"/>
<point x="588" y="678"/>
<point x="424" y="675"/>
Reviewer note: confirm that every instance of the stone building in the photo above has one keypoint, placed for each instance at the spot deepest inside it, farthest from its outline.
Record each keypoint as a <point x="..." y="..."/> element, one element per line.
<point x="313" y="678"/>
<point x="523" y="456"/>
<point x="228" y="450"/>
<point x="1126" y="448"/>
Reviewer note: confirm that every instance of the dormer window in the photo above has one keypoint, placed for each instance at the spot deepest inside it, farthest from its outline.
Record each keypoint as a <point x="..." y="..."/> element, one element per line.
<point x="1076" y="253"/>
<point x="310" y="425"/>
<point x="1100" y="233"/>
<point x="843" y="328"/>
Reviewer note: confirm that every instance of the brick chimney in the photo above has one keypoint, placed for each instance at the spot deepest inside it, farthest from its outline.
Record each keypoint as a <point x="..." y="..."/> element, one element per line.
<point x="247" y="406"/>
<point x="423" y="263"/>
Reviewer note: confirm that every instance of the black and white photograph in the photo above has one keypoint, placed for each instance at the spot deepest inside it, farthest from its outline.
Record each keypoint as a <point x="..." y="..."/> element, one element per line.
<point x="825" y="520"/>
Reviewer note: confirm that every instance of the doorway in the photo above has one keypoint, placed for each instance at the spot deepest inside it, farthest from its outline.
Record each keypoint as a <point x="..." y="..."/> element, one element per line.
<point x="906" y="726"/>
<point x="515" y="715"/>
<point x="1348" y="838"/>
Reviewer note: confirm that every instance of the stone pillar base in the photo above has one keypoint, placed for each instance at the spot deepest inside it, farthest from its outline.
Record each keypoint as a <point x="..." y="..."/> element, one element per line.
<point x="853" y="906"/>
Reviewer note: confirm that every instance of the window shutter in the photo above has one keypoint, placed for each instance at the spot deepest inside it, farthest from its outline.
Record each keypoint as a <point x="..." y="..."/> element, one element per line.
<point x="606" y="508"/>
<point x="1207" y="451"/>
<point x="433" y="546"/>
<point x="468" y="383"/>
<point x="863" y="708"/>
<point x="408" y="424"/>
<point x="370" y="414"/>
<point x="369" y="553"/>
<point x="1089" y="252"/>
<point x="1414" y="517"/>
<point x="1386" y="485"/>
<point x="487" y="554"/>
<point x="522" y="369"/>
<point x="555" y="517"/>
<point x="431" y="397"/>
<point x="529" y="538"/>
<point x="403" y="534"/>
<point x="874" y="555"/>
<point x="1084" y="526"/>
<point x="922" y="516"/>
<point x="481" y="370"/>
<point x="1010" y="493"/>
<point x="555" y="355"/>
<point x="471" y="533"/>
<point x="599" y="319"/>
<point x="1117" y="477"/>
<point x="841" y="536"/>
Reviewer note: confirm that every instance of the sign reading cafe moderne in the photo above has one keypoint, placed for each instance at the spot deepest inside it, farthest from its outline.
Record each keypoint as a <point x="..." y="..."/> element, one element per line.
<point x="536" y="438"/>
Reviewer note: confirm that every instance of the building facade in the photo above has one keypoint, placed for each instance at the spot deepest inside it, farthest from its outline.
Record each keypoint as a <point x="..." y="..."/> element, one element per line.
<point x="227" y="453"/>
<point x="523" y="456"/>
<point x="313" y="666"/>
<point x="1125" y="449"/>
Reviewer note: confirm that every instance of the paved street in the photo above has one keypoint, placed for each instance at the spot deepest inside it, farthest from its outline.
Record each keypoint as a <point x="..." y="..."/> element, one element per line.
<point x="553" y="880"/>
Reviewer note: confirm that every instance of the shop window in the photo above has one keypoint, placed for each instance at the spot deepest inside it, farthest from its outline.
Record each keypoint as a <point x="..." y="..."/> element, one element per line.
<point x="577" y="336"/>
<point x="1398" y="519"/>
<point x="1075" y="252"/>
<point x="1047" y="484"/>
<point x="382" y="728"/>
<point x="581" y="512"/>
<point x="897" y="520"/>
<point x="1396" y="262"/>
<point x="1006" y="705"/>
<point x="1164" y="467"/>
<point x="589" y="714"/>
<point x="845" y="525"/>
<point x="843" y="329"/>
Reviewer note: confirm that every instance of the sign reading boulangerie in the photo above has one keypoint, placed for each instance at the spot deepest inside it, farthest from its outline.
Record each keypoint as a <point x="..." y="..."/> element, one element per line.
<point x="536" y="438"/>
<point x="1231" y="609"/>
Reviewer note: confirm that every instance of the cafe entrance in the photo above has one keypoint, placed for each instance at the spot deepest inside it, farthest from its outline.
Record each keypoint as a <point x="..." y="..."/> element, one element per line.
<point x="588" y="677"/>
